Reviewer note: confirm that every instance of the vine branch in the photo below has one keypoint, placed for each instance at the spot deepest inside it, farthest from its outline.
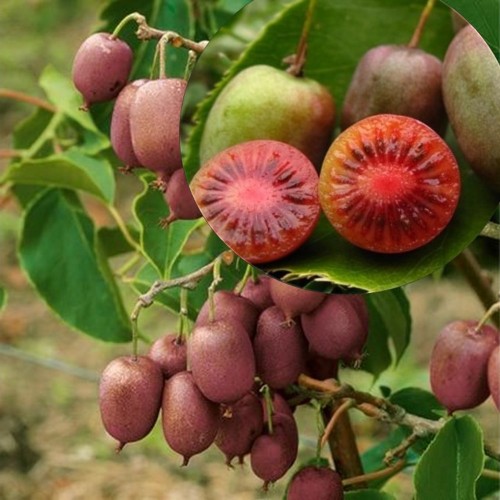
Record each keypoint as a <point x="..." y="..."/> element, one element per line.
<point x="22" y="97"/>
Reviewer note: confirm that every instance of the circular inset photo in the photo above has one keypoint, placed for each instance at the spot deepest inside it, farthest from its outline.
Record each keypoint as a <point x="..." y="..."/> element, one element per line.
<point x="342" y="148"/>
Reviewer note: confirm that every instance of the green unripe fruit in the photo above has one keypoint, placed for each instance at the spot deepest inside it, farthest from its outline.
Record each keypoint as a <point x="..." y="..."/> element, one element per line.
<point x="471" y="91"/>
<point x="262" y="102"/>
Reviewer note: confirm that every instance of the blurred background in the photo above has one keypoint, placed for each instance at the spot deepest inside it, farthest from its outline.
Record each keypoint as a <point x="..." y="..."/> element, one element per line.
<point x="52" y="444"/>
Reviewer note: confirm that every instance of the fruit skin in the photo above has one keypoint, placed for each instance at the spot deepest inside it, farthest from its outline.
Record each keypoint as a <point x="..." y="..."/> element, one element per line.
<point x="262" y="102"/>
<point x="294" y="301"/>
<point x="169" y="353"/>
<point x="260" y="197"/>
<point x="121" y="140"/>
<point x="230" y="307"/>
<point x="179" y="199"/>
<point x="221" y="358"/>
<point x="239" y="430"/>
<point x="471" y="91"/>
<point x="335" y="329"/>
<point x="101" y="68"/>
<point x="273" y="454"/>
<point x="398" y="80"/>
<point x="280" y="349"/>
<point x="130" y="392"/>
<point x="190" y="421"/>
<point x="258" y="292"/>
<point x="155" y="117"/>
<point x="459" y="364"/>
<point x="389" y="184"/>
<point x="494" y="376"/>
<point x="318" y="483"/>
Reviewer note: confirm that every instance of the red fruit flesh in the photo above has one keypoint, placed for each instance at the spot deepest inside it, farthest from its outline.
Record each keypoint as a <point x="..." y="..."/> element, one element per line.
<point x="169" y="353"/>
<point x="121" y="139"/>
<point x="130" y="392"/>
<point x="179" y="198"/>
<point x="190" y="421"/>
<point x="258" y="292"/>
<point x="155" y="117"/>
<point x="335" y="330"/>
<point x="260" y="197"/>
<point x="459" y="364"/>
<point x="221" y="358"/>
<point x="318" y="483"/>
<point x="293" y="300"/>
<point x="389" y="184"/>
<point x="240" y="428"/>
<point x="494" y="376"/>
<point x="101" y="68"/>
<point x="280" y="349"/>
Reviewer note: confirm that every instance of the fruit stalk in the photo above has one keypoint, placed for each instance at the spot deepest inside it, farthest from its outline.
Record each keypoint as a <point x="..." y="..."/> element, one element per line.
<point x="417" y="34"/>
<point x="21" y="96"/>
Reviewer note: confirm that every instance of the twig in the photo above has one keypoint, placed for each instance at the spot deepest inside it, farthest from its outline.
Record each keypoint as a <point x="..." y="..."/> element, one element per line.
<point x="11" y="153"/>
<point x="335" y="418"/>
<point x="22" y="97"/>
<point x="400" y="450"/>
<point x="372" y="476"/>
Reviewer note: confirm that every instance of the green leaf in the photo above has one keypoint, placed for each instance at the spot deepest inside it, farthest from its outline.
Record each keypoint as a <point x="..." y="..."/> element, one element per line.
<point x="59" y="252"/>
<point x="368" y="495"/>
<point x="3" y="298"/>
<point x="390" y="319"/>
<point x="452" y="463"/>
<point x="113" y="242"/>
<point x="161" y="245"/>
<point x="486" y="486"/>
<point x="418" y="402"/>
<point x="72" y="170"/>
<point x="326" y="256"/>
<point x="484" y="16"/>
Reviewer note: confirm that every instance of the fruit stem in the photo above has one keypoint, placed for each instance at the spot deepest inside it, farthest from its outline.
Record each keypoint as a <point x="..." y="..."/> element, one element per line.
<point x="183" y="316"/>
<point x="243" y="282"/>
<point x="298" y="60"/>
<point x="190" y="64"/>
<point x="22" y="97"/>
<point x="346" y="405"/>
<point x="11" y="153"/>
<point x="123" y="228"/>
<point x="163" y="56"/>
<point x="490" y="312"/>
<point x="491" y="230"/>
<point x="211" y="290"/>
<point x="417" y="34"/>
<point x="268" y="401"/>
<point x="372" y="476"/>
<point x="135" y="16"/>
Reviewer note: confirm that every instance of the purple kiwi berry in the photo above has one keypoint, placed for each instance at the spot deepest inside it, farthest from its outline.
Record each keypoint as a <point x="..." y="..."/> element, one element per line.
<point x="179" y="199"/>
<point x="170" y="354"/>
<point x="318" y="483"/>
<point x="321" y="368"/>
<point x="230" y="307"/>
<point x="221" y="358"/>
<point x="258" y="292"/>
<point x="190" y="421"/>
<point x="130" y="392"/>
<point x="294" y="301"/>
<point x="397" y="80"/>
<point x="280" y="349"/>
<point x="280" y="406"/>
<point x="335" y="329"/>
<point x="272" y="455"/>
<point x="121" y="140"/>
<point x="459" y="364"/>
<point x="101" y="68"/>
<point x="494" y="376"/>
<point x="239" y="427"/>
<point x="155" y="120"/>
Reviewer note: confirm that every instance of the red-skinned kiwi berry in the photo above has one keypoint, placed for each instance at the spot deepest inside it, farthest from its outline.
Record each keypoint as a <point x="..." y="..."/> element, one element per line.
<point x="389" y="184"/>
<point x="318" y="483"/>
<point x="280" y="349"/>
<point x="101" y="68"/>
<point x="294" y="301"/>
<point x="239" y="427"/>
<point x="260" y="197"/>
<point x="459" y="364"/>
<point x="190" y="421"/>
<point x="399" y="80"/>
<point x="230" y="307"/>
<point x="494" y="376"/>
<point x="222" y="361"/>
<point x="155" y="117"/>
<point x="179" y="199"/>
<point x="335" y="330"/>
<point x="121" y="140"/>
<point x="169" y="353"/>
<point x="130" y="392"/>
<point x="258" y="291"/>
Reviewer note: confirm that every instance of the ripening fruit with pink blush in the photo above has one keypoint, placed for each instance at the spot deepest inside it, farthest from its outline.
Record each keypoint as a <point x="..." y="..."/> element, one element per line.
<point x="389" y="184"/>
<point x="494" y="376"/>
<point x="179" y="199"/>
<point x="318" y="483"/>
<point x="101" y="68"/>
<point x="260" y="197"/>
